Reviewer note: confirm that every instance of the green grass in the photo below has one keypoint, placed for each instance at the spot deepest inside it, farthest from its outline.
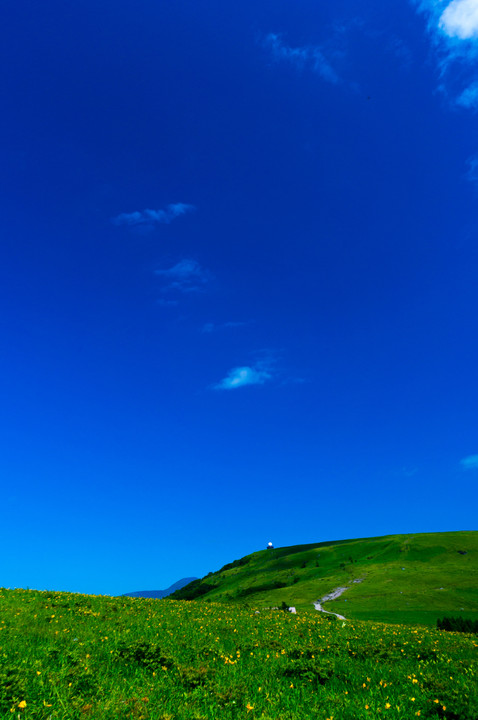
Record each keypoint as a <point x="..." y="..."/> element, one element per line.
<point x="65" y="656"/>
<point x="405" y="578"/>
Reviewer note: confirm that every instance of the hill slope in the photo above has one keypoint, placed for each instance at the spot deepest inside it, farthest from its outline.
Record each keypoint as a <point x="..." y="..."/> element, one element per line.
<point x="403" y="578"/>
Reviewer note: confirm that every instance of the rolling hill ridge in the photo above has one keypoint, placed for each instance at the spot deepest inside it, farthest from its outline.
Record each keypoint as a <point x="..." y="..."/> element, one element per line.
<point x="403" y="578"/>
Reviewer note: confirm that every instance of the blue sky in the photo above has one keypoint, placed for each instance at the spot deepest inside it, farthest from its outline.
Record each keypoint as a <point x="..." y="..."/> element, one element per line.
<point x="239" y="281"/>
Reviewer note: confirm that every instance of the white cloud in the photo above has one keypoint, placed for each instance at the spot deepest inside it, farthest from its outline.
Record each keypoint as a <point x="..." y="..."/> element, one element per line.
<point x="460" y="19"/>
<point x="241" y="376"/>
<point x="150" y="218"/>
<point x="310" y="56"/>
<point x="186" y="276"/>
<point x="453" y="29"/>
<point x="470" y="462"/>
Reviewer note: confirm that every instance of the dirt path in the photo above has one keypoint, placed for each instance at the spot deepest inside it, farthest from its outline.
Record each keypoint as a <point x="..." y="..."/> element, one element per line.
<point x="333" y="596"/>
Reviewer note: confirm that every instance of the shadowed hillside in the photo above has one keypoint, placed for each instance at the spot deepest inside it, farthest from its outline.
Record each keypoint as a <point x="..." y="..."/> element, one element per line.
<point x="403" y="578"/>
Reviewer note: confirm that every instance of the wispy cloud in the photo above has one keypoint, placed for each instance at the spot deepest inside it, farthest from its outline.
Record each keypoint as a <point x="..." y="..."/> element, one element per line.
<point x="186" y="276"/>
<point x="151" y="218"/>
<point x="246" y="375"/>
<point x="309" y="56"/>
<point x="472" y="174"/>
<point x="470" y="462"/>
<point x="401" y="50"/>
<point x="167" y="303"/>
<point x="407" y="472"/>
<point x="469" y="97"/>
<point x="214" y="327"/>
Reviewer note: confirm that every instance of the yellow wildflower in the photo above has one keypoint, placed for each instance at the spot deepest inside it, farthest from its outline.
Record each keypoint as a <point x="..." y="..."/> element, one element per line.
<point x="22" y="704"/>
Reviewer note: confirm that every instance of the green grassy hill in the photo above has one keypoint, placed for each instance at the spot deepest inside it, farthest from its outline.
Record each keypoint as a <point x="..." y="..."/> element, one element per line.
<point x="403" y="578"/>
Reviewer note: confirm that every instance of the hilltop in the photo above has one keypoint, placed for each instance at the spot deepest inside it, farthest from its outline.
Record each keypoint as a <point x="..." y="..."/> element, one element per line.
<point x="403" y="578"/>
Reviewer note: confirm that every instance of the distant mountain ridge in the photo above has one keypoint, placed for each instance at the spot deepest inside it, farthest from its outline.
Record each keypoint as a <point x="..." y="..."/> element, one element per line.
<point x="158" y="594"/>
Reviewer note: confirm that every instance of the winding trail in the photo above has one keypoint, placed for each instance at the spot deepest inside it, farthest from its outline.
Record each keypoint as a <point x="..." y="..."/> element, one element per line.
<point x="333" y="596"/>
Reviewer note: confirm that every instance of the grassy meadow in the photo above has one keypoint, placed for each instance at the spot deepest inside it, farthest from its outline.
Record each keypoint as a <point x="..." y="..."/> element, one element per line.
<point x="78" y="657"/>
